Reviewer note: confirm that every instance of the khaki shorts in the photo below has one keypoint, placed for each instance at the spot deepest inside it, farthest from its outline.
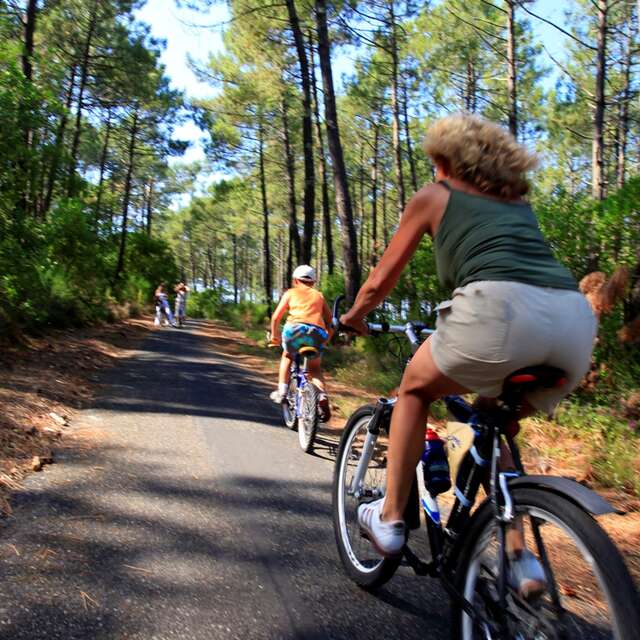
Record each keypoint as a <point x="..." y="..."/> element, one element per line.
<point x="491" y="329"/>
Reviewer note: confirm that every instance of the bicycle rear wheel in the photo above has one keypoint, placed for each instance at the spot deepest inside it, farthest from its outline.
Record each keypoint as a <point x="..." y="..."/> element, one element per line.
<point x="309" y="419"/>
<point x="364" y="565"/>
<point x="589" y="596"/>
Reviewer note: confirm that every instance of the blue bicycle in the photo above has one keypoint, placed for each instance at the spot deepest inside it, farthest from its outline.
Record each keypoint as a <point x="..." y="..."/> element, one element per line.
<point x="300" y="406"/>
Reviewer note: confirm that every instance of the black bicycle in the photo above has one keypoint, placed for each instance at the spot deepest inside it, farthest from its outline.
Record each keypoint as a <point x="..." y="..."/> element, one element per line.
<point x="589" y="592"/>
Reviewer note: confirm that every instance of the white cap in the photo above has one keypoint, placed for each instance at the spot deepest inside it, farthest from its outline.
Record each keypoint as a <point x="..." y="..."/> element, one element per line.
<point x="304" y="272"/>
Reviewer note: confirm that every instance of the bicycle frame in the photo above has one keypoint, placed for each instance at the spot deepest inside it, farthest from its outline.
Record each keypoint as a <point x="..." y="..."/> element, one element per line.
<point x="480" y="466"/>
<point x="299" y="369"/>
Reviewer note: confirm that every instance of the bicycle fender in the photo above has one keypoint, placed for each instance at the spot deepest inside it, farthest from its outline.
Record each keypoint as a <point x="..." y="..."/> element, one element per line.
<point x="580" y="495"/>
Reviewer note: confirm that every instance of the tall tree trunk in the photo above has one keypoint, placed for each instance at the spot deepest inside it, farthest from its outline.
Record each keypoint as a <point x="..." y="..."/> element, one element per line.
<point x="103" y="164"/>
<point x="127" y="195"/>
<point x="597" y="159"/>
<point x="385" y="226"/>
<point x="407" y="135"/>
<point x="471" y="88"/>
<point x="212" y="267"/>
<point x="194" y="266"/>
<point x="343" y="200"/>
<point x="326" y="214"/>
<point x="512" y="68"/>
<point x="24" y="170"/>
<point x="307" y="135"/>
<point x="235" y="268"/>
<point x="623" y="120"/>
<point x="59" y="142"/>
<point x="84" y="74"/>
<point x="288" y="272"/>
<point x="268" y="286"/>
<point x="361" y="204"/>
<point x="29" y="29"/>
<point x="291" y="175"/>
<point x="395" y="111"/>
<point x="150" y="195"/>
<point x="374" y="196"/>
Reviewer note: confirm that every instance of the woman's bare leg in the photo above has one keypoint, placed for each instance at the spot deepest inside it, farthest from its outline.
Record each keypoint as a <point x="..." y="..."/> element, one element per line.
<point x="422" y="384"/>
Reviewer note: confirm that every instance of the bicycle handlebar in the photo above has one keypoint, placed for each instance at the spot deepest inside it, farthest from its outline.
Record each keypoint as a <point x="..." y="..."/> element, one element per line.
<point x="412" y="330"/>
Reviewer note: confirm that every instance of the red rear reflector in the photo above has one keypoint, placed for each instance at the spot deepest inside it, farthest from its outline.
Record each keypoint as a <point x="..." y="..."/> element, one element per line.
<point x="561" y="382"/>
<point x="523" y="377"/>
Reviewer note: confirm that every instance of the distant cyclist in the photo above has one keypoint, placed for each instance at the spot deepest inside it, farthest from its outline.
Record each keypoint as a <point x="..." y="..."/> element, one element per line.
<point x="181" y="290"/>
<point x="513" y="305"/>
<point x="307" y="324"/>
<point x="162" y="306"/>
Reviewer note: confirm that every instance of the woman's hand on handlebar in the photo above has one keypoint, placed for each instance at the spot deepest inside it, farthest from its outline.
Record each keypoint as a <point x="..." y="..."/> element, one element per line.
<point x="355" y="323"/>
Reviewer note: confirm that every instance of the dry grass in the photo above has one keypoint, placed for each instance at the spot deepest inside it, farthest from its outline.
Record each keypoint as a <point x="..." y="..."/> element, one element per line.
<point x="43" y="381"/>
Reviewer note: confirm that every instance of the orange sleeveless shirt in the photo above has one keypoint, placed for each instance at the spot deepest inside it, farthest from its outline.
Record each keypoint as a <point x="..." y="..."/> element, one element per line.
<point x="306" y="306"/>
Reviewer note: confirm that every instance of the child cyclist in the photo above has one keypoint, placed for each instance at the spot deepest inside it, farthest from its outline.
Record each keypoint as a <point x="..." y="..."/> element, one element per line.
<point x="308" y="324"/>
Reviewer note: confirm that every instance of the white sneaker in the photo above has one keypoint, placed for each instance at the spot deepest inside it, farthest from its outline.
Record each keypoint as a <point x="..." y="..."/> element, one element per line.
<point x="526" y="575"/>
<point x="277" y="397"/>
<point x="388" y="538"/>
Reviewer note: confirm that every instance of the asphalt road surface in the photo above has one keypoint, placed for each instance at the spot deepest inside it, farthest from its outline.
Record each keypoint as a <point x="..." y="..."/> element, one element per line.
<point x="194" y="515"/>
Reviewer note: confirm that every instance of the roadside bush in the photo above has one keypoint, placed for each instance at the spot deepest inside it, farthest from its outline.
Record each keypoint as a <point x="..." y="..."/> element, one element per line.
<point x="59" y="272"/>
<point x="214" y="304"/>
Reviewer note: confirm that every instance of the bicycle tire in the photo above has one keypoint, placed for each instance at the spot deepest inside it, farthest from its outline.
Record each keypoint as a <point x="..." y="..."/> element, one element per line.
<point x="309" y="418"/>
<point x="289" y="404"/>
<point x="384" y="569"/>
<point x="607" y="563"/>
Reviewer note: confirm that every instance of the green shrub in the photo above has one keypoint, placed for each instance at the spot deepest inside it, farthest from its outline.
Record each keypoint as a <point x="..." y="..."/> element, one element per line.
<point x="58" y="272"/>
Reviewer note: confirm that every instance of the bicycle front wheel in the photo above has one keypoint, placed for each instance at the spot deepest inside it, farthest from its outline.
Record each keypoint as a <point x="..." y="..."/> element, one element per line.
<point x="364" y="565"/>
<point x="308" y="420"/>
<point x="589" y="593"/>
<point x="289" y="404"/>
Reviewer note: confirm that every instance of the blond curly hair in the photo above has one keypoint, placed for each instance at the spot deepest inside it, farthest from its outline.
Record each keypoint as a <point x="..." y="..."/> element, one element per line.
<point x="481" y="153"/>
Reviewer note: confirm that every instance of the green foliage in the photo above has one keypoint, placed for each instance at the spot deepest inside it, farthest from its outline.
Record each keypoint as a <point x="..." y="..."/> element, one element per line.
<point x="150" y="261"/>
<point x="332" y="286"/>
<point x="214" y="304"/>
<point x="614" y="442"/>
<point x="58" y="272"/>
<point x="86" y="115"/>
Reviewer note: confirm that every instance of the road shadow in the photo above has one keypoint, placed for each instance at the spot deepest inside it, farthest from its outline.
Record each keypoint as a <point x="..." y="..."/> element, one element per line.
<point x="98" y="560"/>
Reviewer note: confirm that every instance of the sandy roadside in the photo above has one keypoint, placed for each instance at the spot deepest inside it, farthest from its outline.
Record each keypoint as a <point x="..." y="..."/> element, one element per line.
<point x="43" y="382"/>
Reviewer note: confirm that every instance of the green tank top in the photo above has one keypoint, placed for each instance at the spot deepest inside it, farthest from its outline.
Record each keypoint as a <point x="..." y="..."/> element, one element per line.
<point x="480" y="238"/>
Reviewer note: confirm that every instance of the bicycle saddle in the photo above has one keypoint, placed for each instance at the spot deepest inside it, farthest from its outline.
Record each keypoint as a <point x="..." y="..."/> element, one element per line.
<point x="540" y="375"/>
<point x="309" y="352"/>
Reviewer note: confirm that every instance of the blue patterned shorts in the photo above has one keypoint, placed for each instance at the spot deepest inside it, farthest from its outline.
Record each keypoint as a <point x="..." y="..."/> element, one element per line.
<point x="295" y="336"/>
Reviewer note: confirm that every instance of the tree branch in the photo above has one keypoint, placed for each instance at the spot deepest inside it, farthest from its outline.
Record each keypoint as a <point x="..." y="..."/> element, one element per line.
<point x="568" y="73"/>
<point x="555" y="26"/>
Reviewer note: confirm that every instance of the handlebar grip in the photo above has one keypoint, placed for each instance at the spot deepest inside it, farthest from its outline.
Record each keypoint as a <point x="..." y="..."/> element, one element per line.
<point x="345" y="328"/>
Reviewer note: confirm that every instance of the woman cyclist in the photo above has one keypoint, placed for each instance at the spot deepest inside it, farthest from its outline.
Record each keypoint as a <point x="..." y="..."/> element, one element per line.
<point x="513" y="306"/>
<point x="307" y="324"/>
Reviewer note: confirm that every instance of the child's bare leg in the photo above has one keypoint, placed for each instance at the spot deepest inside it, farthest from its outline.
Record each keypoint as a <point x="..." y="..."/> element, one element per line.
<point x="285" y="369"/>
<point x="283" y="379"/>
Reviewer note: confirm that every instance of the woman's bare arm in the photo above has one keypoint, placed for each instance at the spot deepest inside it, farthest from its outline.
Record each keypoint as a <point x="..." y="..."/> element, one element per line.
<point x="415" y="222"/>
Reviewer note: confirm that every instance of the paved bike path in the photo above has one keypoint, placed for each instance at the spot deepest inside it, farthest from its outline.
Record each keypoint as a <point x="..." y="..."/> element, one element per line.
<point x="194" y="515"/>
